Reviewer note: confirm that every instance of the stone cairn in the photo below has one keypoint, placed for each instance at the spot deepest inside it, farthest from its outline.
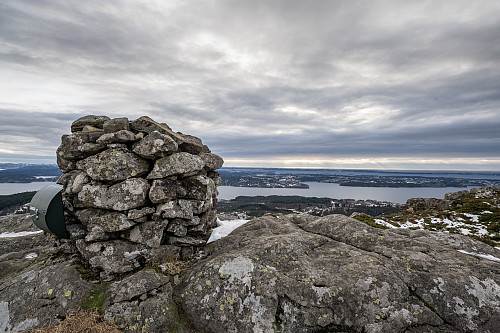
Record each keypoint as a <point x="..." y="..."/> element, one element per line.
<point x="135" y="193"/>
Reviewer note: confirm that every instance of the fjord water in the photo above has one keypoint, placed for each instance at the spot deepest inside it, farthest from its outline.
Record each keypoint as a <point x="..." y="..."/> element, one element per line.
<point x="335" y="191"/>
<point x="11" y="188"/>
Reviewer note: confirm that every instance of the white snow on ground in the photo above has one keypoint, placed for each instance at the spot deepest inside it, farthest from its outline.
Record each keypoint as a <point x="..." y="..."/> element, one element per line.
<point x="224" y="228"/>
<point x="481" y="255"/>
<point x="19" y="234"/>
<point x="31" y="255"/>
<point x="473" y="217"/>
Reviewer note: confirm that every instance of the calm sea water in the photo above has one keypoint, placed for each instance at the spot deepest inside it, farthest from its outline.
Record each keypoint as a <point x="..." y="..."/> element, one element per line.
<point x="331" y="190"/>
<point x="11" y="188"/>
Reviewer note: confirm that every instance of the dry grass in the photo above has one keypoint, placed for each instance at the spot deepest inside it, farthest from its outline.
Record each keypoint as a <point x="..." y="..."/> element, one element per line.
<point x="176" y="267"/>
<point x="88" y="321"/>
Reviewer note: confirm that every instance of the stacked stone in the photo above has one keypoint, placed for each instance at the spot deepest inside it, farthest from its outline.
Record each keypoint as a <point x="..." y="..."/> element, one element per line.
<point x="136" y="192"/>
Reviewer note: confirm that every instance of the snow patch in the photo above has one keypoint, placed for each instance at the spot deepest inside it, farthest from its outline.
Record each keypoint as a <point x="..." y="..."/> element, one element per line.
<point x="19" y="234"/>
<point x="224" y="228"/>
<point x="481" y="255"/>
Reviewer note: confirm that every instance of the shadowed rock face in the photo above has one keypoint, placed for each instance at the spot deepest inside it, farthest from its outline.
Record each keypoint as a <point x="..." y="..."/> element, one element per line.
<point x="306" y="274"/>
<point x="131" y="184"/>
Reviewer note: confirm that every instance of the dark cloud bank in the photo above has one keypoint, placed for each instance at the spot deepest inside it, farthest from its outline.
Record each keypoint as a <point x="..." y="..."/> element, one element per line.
<point x="265" y="83"/>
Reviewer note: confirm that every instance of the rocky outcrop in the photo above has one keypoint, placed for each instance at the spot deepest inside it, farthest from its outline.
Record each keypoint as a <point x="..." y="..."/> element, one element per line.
<point x="307" y="274"/>
<point x="451" y="200"/>
<point x="294" y="273"/>
<point x="134" y="186"/>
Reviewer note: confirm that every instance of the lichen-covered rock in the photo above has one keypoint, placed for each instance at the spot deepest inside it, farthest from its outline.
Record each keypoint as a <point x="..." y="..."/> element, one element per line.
<point x="115" y="125"/>
<point x="40" y="296"/>
<point x="140" y="283"/>
<point x="114" y="165"/>
<point x="150" y="233"/>
<point x="94" y="121"/>
<point x="144" y="313"/>
<point x="135" y="214"/>
<point x="176" y="164"/>
<point x="108" y="221"/>
<point x="199" y="187"/>
<point x="71" y="148"/>
<point x="122" y="136"/>
<point x="155" y="145"/>
<point x="126" y="195"/>
<point x="114" y="256"/>
<point x="302" y="274"/>
<point x="163" y="190"/>
<point x="175" y="208"/>
<point x="73" y="181"/>
<point x="212" y="161"/>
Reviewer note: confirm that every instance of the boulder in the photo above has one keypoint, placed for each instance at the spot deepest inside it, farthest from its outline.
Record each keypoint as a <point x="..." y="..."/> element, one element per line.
<point x="40" y="296"/>
<point x="199" y="188"/>
<point x="114" y="165"/>
<point x="149" y="233"/>
<point x="131" y="193"/>
<point x="298" y="273"/>
<point x="177" y="164"/>
<point x="115" y="125"/>
<point x="155" y="145"/>
<point x="212" y="161"/>
<point x="91" y="120"/>
<point x="114" y="256"/>
<point x="107" y="221"/>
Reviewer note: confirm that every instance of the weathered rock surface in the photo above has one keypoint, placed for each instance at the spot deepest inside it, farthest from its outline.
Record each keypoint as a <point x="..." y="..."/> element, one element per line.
<point x="91" y="120"/>
<point x="114" y="165"/>
<point x="43" y="291"/>
<point x="306" y="274"/>
<point x="128" y="194"/>
<point x="113" y="256"/>
<point x="177" y="164"/>
<point x="39" y="296"/>
<point x="155" y="145"/>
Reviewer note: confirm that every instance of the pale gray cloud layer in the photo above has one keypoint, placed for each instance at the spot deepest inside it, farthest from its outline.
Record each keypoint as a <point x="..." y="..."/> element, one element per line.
<point x="279" y="83"/>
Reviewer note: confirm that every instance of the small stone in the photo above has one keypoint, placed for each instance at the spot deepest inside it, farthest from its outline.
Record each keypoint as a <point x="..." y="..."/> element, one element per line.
<point x="122" y="136"/>
<point x="116" y="124"/>
<point x="88" y="128"/>
<point x="76" y="231"/>
<point x="155" y="145"/>
<point x="135" y="214"/>
<point x="177" y="229"/>
<point x="96" y="234"/>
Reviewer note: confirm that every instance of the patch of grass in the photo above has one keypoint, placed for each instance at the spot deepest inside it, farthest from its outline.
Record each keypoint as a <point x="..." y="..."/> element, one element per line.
<point x="96" y="299"/>
<point x="89" y="321"/>
<point x="370" y="221"/>
<point x="176" y="267"/>
<point x="474" y="207"/>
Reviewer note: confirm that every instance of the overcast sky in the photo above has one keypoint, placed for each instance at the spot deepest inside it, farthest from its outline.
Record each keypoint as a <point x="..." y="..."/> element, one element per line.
<point x="334" y="84"/>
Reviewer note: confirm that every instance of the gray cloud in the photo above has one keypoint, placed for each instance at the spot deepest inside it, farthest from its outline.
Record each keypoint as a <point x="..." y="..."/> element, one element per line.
<point x="263" y="80"/>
